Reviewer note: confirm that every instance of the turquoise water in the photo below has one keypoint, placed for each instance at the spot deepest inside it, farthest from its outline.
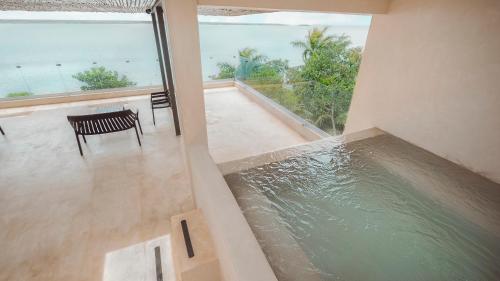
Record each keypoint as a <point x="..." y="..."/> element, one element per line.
<point x="377" y="209"/>
<point x="129" y="48"/>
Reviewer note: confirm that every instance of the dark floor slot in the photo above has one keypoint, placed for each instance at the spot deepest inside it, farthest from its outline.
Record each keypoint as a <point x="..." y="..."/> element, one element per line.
<point x="159" y="272"/>
<point x="187" y="239"/>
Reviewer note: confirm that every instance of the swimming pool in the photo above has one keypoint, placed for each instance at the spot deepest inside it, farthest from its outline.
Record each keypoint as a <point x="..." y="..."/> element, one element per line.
<point x="375" y="209"/>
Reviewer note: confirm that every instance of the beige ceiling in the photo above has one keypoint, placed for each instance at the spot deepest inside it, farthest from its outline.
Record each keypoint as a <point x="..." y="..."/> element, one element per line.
<point x="209" y="11"/>
<point x="122" y="6"/>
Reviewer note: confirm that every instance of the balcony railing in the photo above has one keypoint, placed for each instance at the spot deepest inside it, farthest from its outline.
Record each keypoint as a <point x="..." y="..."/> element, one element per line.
<point x="322" y="105"/>
<point x="32" y="79"/>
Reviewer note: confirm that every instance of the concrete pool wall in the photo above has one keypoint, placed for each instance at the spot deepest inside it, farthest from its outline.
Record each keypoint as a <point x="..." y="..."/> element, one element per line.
<point x="429" y="75"/>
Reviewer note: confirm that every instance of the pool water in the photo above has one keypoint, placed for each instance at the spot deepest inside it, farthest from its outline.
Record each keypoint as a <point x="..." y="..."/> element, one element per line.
<point x="376" y="209"/>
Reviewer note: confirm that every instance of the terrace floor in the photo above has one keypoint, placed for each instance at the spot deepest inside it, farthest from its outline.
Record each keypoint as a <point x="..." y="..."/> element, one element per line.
<point x="62" y="215"/>
<point x="238" y="127"/>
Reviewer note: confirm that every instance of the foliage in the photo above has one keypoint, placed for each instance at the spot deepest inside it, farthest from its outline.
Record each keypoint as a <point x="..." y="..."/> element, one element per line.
<point x="333" y="65"/>
<point x="333" y="69"/>
<point x="269" y="72"/>
<point x="250" y="61"/>
<point x="320" y="90"/>
<point x="101" y="78"/>
<point x="285" y="97"/>
<point x="257" y="69"/>
<point x="226" y="71"/>
<point x="19" y="94"/>
<point x="316" y="39"/>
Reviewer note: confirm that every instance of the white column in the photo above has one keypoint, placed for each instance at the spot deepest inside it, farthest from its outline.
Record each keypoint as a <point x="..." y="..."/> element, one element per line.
<point x="184" y="46"/>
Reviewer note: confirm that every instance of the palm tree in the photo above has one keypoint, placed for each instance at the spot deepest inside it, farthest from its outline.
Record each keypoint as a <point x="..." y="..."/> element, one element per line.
<point x="250" y="54"/>
<point x="250" y="59"/>
<point x="315" y="39"/>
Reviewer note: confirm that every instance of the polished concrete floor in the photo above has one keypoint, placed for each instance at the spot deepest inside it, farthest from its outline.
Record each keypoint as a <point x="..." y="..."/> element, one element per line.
<point x="64" y="217"/>
<point x="239" y="128"/>
<point x="61" y="213"/>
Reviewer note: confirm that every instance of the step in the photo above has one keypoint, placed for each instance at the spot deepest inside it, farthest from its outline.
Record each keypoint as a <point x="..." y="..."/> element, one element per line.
<point x="200" y="262"/>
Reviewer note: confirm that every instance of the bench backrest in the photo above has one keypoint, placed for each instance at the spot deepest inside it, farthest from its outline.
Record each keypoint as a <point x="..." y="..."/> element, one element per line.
<point x="102" y="123"/>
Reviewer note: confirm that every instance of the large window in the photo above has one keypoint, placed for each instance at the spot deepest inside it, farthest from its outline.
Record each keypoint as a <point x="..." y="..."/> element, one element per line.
<point x="48" y="56"/>
<point x="306" y="62"/>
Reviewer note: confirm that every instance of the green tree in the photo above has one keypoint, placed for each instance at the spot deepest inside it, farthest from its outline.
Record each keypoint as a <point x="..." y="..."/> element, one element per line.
<point x="329" y="75"/>
<point x="19" y="94"/>
<point x="316" y="39"/>
<point x="266" y="76"/>
<point x="101" y="78"/>
<point x="250" y="60"/>
<point x="320" y="90"/>
<point x="251" y="54"/>
<point x="279" y="66"/>
<point x="269" y="72"/>
<point x="226" y="71"/>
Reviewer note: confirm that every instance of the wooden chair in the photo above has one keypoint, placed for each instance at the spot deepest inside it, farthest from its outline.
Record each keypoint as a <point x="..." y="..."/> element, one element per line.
<point x="159" y="100"/>
<point x="104" y="123"/>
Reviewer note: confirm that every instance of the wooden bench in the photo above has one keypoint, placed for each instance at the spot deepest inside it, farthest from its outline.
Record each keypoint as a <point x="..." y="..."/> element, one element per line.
<point x="104" y="123"/>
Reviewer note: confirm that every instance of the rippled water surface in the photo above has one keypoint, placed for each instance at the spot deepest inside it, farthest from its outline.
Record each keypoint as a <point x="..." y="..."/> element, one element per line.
<point x="377" y="209"/>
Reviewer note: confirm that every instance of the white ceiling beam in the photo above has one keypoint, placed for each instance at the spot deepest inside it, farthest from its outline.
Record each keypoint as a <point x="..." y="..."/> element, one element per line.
<point x="328" y="6"/>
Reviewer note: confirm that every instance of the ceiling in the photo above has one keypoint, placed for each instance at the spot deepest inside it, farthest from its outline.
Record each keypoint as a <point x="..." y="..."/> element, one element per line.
<point x="210" y="11"/>
<point x="119" y="6"/>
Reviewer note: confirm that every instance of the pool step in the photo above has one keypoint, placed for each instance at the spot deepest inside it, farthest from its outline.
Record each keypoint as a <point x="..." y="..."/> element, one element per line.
<point x="192" y="248"/>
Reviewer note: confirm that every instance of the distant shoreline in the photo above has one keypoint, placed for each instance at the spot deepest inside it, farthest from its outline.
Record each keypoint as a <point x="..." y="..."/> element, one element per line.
<point x="11" y="21"/>
<point x="246" y="23"/>
<point x="279" y="24"/>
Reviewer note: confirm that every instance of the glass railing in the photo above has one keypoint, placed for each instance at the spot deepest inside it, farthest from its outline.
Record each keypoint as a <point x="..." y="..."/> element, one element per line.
<point x="316" y="82"/>
<point x="322" y="105"/>
<point x="45" y="57"/>
<point x="25" y="79"/>
<point x="319" y="90"/>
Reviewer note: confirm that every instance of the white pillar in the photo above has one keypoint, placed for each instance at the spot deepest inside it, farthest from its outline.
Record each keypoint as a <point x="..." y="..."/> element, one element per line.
<point x="184" y="46"/>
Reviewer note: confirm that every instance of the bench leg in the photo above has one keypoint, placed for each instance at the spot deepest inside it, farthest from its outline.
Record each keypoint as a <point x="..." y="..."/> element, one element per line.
<point x="153" y="110"/>
<point x="79" y="145"/>
<point x="84" y="139"/>
<point x="139" y="122"/>
<point x="137" y="133"/>
<point x="1" y="131"/>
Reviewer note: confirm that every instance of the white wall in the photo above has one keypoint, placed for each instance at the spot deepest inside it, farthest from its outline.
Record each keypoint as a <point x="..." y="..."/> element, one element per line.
<point x="240" y="256"/>
<point x="184" y="46"/>
<point x="431" y="76"/>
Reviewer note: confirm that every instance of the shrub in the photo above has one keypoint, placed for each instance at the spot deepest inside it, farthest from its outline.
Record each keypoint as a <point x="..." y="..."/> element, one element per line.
<point x="19" y="94"/>
<point x="226" y="71"/>
<point x="100" y="78"/>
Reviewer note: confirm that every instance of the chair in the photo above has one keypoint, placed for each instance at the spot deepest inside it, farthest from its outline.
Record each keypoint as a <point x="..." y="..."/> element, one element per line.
<point x="104" y="123"/>
<point x="159" y="100"/>
<point x="1" y="131"/>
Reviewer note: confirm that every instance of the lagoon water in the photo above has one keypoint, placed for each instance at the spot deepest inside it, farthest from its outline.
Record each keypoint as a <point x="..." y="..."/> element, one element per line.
<point x="42" y="56"/>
